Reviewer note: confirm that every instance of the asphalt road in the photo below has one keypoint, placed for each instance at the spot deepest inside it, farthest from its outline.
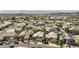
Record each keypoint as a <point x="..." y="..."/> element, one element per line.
<point x="29" y="46"/>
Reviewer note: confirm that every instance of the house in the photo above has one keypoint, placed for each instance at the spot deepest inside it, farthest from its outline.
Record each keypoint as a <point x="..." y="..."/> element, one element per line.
<point x="69" y="40"/>
<point x="1" y="38"/>
<point x="8" y="33"/>
<point x="40" y="23"/>
<point x="7" y="36"/>
<point x="50" y="29"/>
<point x="76" y="38"/>
<point x="27" y="35"/>
<point x="39" y="36"/>
<point x="20" y="24"/>
<point x="52" y="36"/>
<point x="5" y="25"/>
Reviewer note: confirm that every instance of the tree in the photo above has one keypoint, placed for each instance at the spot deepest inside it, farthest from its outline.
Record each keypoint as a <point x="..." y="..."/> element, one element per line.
<point x="58" y="38"/>
<point x="27" y="18"/>
<point x="30" y="37"/>
<point x="67" y="29"/>
<point x="45" y="41"/>
<point x="35" y="17"/>
<point x="61" y="43"/>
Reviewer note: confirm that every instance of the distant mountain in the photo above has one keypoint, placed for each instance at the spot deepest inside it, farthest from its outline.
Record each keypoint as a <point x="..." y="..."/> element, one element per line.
<point x="37" y="11"/>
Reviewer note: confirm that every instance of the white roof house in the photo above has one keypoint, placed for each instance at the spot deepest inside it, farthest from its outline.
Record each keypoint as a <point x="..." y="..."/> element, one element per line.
<point x="27" y="34"/>
<point x="51" y="35"/>
<point x="39" y="34"/>
<point x="20" y="24"/>
<point x="1" y="38"/>
<point x="9" y="32"/>
<point x="5" y="24"/>
<point x="76" y="38"/>
<point x="48" y="28"/>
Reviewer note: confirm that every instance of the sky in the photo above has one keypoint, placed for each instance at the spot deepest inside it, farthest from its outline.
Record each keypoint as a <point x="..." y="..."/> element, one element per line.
<point x="39" y="4"/>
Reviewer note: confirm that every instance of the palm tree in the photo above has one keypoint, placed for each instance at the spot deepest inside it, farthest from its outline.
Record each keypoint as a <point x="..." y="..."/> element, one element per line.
<point x="45" y="40"/>
<point x="30" y="37"/>
<point x="61" y="43"/>
<point x="58" y="38"/>
<point x="34" y="40"/>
